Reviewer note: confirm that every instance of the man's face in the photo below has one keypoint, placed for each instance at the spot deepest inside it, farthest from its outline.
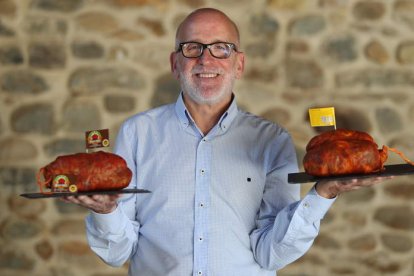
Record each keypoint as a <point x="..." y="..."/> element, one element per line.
<point x="206" y="79"/>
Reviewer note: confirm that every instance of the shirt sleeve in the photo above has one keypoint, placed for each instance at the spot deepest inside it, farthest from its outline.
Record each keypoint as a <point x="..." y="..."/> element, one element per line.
<point x="114" y="236"/>
<point x="286" y="226"/>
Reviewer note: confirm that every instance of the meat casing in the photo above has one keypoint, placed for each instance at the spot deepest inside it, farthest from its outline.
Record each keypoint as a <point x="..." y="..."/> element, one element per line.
<point x="341" y="152"/>
<point x="93" y="171"/>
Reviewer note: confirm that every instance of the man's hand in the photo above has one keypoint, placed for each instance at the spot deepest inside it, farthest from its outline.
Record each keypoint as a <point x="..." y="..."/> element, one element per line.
<point x="332" y="188"/>
<point x="102" y="204"/>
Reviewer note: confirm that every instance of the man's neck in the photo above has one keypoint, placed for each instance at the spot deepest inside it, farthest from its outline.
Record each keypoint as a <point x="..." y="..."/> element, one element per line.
<point x="206" y="116"/>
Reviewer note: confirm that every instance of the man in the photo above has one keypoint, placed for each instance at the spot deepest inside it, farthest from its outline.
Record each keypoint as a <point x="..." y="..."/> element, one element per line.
<point x="220" y="201"/>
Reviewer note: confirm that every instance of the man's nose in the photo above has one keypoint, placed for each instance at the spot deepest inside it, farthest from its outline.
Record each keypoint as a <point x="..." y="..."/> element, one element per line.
<point x="206" y="55"/>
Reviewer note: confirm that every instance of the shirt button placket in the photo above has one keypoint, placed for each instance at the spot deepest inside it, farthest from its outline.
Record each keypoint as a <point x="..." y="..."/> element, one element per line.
<point x="203" y="165"/>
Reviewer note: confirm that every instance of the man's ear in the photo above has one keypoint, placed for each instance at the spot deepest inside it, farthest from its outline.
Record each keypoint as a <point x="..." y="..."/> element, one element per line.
<point x="239" y="65"/>
<point x="173" y="64"/>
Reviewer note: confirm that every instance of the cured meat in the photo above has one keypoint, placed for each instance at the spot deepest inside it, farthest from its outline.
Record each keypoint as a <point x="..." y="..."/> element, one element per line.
<point x="90" y="171"/>
<point x="342" y="151"/>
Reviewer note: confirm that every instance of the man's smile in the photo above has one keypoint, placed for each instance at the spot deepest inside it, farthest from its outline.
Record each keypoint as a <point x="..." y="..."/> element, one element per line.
<point x="207" y="75"/>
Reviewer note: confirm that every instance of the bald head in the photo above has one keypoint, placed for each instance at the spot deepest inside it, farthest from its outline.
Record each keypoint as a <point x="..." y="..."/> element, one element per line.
<point x="206" y="16"/>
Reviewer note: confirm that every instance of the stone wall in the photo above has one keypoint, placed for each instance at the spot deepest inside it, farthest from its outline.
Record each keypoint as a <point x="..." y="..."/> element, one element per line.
<point x="71" y="65"/>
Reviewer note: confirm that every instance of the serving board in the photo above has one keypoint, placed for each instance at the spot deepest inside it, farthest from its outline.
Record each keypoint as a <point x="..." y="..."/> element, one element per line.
<point x="389" y="170"/>
<point x="62" y="194"/>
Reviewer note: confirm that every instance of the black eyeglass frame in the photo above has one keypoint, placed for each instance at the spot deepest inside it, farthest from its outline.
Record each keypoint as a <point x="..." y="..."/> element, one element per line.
<point x="229" y="44"/>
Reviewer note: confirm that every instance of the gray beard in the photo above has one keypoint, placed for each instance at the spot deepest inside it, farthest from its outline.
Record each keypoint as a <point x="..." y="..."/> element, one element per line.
<point x="196" y="94"/>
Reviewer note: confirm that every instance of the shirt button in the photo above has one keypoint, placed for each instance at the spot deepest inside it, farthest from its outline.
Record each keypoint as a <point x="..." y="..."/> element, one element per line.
<point x="201" y="204"/>
<point x="306" y="205"/>
<point x="203" y="171"/>
<point x="200" y="238"/>
<point x="200" y="273"/>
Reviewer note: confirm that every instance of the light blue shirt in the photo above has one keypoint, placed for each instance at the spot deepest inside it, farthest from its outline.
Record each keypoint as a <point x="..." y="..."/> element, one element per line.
<point x="220" y="203"/>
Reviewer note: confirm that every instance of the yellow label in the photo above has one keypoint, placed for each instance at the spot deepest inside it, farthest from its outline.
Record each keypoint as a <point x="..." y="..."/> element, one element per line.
<point x="322" y="116"/>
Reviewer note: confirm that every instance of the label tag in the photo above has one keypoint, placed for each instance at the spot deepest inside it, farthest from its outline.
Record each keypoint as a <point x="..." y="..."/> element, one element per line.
<point x="322" y="117"/>
<point x="97" y="138"/>
<point x="64" y="183"/>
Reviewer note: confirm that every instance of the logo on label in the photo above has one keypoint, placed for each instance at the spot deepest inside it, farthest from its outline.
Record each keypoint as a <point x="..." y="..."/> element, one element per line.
<point x="60" y="183"/>
<point x="95" y="138"/>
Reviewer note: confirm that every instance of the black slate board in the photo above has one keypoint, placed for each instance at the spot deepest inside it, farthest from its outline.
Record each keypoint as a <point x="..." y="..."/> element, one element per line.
<point x="124" y="191"/>
<point x="390" y="170"/>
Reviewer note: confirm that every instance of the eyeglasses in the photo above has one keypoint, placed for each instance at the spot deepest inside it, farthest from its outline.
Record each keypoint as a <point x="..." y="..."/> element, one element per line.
<point x="220" y="50"/>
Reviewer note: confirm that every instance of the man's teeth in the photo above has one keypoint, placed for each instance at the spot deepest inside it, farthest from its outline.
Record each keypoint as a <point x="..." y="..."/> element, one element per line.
<point x="207" y="75"/>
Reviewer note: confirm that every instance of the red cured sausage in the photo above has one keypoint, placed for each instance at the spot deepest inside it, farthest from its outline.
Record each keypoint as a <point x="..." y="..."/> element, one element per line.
<point x="342" y="151"/>
<point x="92" y="171"/>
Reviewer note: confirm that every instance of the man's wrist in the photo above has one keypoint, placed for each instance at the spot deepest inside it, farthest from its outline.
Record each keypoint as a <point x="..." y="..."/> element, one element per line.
<point x="325" y="191"/>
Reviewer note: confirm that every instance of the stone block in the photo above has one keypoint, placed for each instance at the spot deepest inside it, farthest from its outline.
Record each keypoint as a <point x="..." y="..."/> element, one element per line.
<point x="34" y="118"/>
<point x="15" y="228"/>
<point x="16" y="149"/>
<point x="119" y="103"/>
<point x="90" y="80"/>
<point x="369" y="10"/>
<point x="166" y="91"/>
<point x="10" y="55"/>
<point x="87" y="49"/>
<point x="64" y="146"/>
<point x="47" y="55"/>
<point x="21" y="206"/>
<point x="22" y="82"/>
<point x="79" y="116"/>
<point x="64" y="6"/>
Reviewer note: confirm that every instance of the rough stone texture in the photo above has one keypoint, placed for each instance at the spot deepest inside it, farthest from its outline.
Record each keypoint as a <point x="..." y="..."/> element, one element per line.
<point x="5" y="31"/>
<point x="18" y="228"/>
<point x="397" y="217"/>
<point x="13" y="178"/>
<point x="363" y="243"/>
<point x="340" y="49"/>
<point x="376" y="52"/>
<point x="118" y="103"/>
<point x="405" y="52"/>
<point x="26" y="208"/>
<point x="79" y="116"/>
<point x="44" y="249"/>
<point x="361" y="196"/>
<point x="308" y="25"/>
<point x="375" y="78"/>
<point x="400" y="190"/>
<point x="16" y="149"/>
<point x="277" y="115"/>
<point x="7" y="8"/>
<point x="87" y="50"/>
<point x="97" y="80"/>
<point x="66" y="208"/>
<point x="402" y="12"/>
<point x="49" y="55"/>
<point x="57" y="5"/>
<point x="304" y="74"/>
<point x="22" y="82"/>
<point x="71" y="65"/>
<point x="10" y="55"/>
<point x="17" y="261"/>
<point x="388" y="120"/>
<point x="35" y="118"/>
<point x="397" y="243"/>
<point x="44" y="26"/>
<point x="64" y="146"/>
<point x="166" y="90"/>
<point x="369" y="10"/>
<point x="69" y="227"/>
<point x="97" y="22"/>
<point x="154" y="26"/>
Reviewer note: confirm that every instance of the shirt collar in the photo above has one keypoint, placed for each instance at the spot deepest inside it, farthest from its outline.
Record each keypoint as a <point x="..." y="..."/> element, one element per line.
<point x="185" y="118"/>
